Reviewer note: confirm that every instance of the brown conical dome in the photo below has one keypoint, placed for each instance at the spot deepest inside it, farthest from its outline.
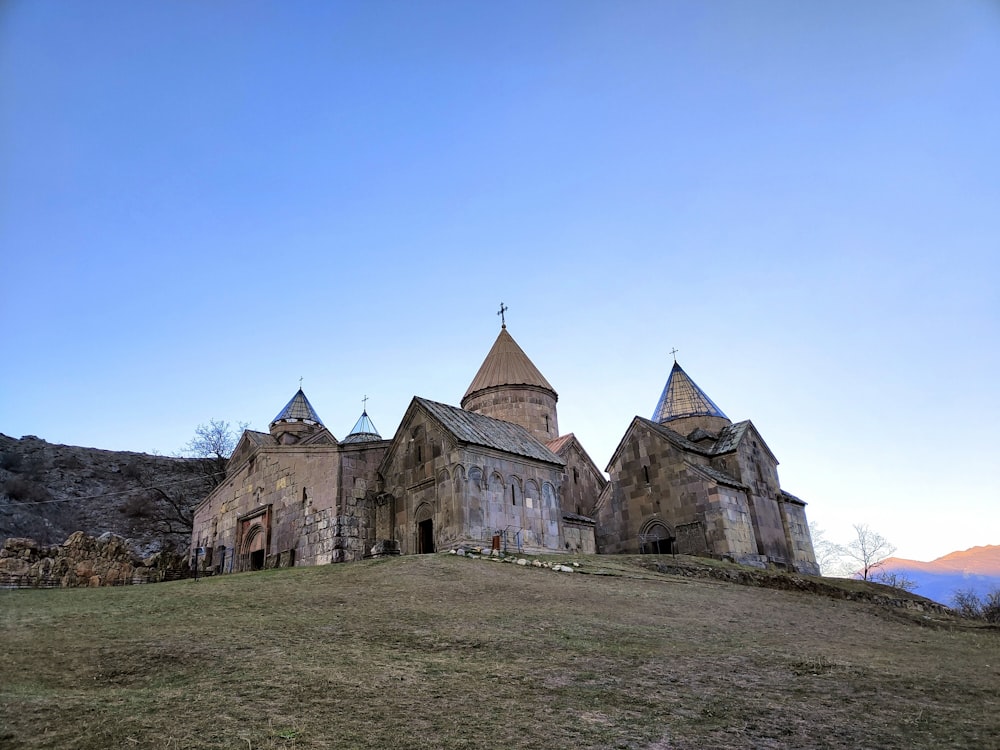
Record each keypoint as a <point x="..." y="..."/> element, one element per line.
<point x="508" y="386"/>
<point x="506" y="364"/>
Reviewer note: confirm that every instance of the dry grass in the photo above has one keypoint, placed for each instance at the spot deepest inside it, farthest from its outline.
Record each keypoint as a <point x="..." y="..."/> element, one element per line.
<point x="441" y="652"/>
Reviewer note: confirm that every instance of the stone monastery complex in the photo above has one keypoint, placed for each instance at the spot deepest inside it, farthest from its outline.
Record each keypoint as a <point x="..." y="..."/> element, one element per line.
<point x="496" y="472"/>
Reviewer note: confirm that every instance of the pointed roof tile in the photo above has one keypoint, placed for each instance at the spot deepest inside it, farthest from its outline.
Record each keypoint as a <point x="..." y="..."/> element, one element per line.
<point x="683" y="398"/>
<point x="363" y="431"/>
<point x="507" y="364"/>
<point x="298" y="409"/>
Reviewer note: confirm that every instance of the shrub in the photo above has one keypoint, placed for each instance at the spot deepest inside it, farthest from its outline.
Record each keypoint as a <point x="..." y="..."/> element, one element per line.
<point x="24" y="490"/>
<point x="969" y="604"/>
<point x="136" y="507"/>
<point x="11" y="461"/>
<point x="991" y="607"/>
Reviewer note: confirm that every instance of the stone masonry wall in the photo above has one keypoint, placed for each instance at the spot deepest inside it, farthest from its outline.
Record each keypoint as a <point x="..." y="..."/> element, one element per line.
<point x="470" y="494"/>
<point x="531" y="407"/>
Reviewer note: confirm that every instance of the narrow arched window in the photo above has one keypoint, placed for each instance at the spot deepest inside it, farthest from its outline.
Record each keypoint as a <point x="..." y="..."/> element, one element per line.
<point x="645" y="470"/>
<point x="513" y="497"/>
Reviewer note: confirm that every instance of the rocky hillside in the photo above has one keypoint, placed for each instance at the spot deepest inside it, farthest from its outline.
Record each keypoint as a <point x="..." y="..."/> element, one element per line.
<point x="49" y="491"/>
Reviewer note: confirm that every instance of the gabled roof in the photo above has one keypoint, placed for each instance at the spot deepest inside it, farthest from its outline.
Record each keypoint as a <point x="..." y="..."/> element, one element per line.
<point x="363" y="431"/>
<point x="260" y="439"/>
<point x="561" y="445"/>
<point x="476" y="429"/>
<point x="506" y="364"/>
<point x="683" y="398"/>
<point x="556" y="445"/>
<point x="298" y="409"/>
<point x="728" y="441"/>
<point x="730" y="437"/>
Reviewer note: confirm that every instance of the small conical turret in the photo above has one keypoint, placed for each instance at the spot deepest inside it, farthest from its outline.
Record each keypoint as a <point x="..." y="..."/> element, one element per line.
<point x="363" y="431"/>
<point x="297" y="419"/>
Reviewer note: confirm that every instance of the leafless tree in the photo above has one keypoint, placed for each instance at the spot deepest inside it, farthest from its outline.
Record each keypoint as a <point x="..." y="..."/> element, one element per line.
<point x="215" y="441"/>
<point x="829" y="555"/>
<point x="868" y="549"/>
<point x="894" y="578"/>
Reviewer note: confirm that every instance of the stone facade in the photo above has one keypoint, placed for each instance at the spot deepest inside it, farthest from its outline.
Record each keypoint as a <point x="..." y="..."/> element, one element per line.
<point x="464" y="494"/>
<point x="496" y="473"/>
<point x="293" y="504"/>
<point x="695" y="483"/>
<point x="484" y="474"/>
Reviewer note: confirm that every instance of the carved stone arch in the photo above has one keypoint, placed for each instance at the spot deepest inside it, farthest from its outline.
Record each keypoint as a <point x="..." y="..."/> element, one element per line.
<point x="476" y="476"/>
<point x="443" y="475"/>
<point x="656" y="537"/>
<point x="499" y="477"/>
<point x="458" y="472"/>
<point x="423" y="529"/>
<point x="423" y="512"/>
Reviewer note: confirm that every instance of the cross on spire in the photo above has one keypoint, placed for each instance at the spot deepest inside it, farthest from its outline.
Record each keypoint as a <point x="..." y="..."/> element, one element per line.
<point x="503" y="309"/>
<point x="674" y="352"/>
<point x="300" y="383"/>
<point x="364" y="404"/>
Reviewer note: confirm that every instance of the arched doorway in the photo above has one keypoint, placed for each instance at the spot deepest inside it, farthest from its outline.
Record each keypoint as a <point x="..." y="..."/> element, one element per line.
<point x="253" y="551"/>
<point x="656" y="538"/>
<point x="425" y="529"/>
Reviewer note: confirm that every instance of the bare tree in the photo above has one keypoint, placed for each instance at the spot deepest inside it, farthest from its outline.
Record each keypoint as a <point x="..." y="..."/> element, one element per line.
<point x="829" y="555"/>
<point x="869" y="549"/>
<point x="894" y="578"/>
<point x="215" y="441"/>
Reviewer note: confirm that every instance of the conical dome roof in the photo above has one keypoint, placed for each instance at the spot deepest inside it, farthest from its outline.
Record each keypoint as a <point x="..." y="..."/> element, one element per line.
<point x="363" y="431"/>
<point x="507" y="364"/>
<point x="298" y="410"/>
<point x="683" y="398"/>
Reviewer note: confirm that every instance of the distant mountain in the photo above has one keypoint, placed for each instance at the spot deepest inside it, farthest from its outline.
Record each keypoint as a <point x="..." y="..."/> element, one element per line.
<point x="976" y="569"/>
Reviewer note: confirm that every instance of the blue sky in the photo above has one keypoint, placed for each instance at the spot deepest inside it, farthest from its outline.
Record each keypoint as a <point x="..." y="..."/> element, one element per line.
<point x="201" y="203"/>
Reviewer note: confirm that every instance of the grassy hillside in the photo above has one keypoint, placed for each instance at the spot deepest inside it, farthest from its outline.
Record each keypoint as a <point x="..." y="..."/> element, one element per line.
<point x="444" y="652"/>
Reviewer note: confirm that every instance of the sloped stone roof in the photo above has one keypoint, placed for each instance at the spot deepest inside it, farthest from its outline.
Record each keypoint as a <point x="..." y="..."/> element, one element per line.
<point x="556" y="445"/>
<point x="730" y="437"/>
<point x="790" y="498"/>
<point x="683" y="398"/>
<point x="719" y="476"/>
<point x="298" y="409"/>
<point x="476" y="429"/>
<point x="507" y="364"/>
<point x="260" y="439"/>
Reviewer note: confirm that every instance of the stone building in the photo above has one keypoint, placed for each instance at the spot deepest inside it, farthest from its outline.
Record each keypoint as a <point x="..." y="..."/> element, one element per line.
<point x="691" y="481"/>
<point x="494" y="472"/>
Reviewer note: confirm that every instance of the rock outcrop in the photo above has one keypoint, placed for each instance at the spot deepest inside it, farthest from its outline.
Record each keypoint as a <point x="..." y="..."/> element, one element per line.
<point x="83" y="561"/>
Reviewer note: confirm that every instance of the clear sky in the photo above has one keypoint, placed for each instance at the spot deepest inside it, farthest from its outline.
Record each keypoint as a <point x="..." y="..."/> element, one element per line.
<point x="202" y="202"/>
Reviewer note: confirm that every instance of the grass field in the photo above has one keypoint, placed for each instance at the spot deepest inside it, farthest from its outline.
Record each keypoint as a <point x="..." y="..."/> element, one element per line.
<point x="442" y="652"/>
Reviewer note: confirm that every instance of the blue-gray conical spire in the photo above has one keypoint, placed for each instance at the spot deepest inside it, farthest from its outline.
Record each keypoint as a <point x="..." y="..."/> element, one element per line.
<point x="298" y="410"/>
<point x="363" y="431"/>
<point x="683" y="398"/>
